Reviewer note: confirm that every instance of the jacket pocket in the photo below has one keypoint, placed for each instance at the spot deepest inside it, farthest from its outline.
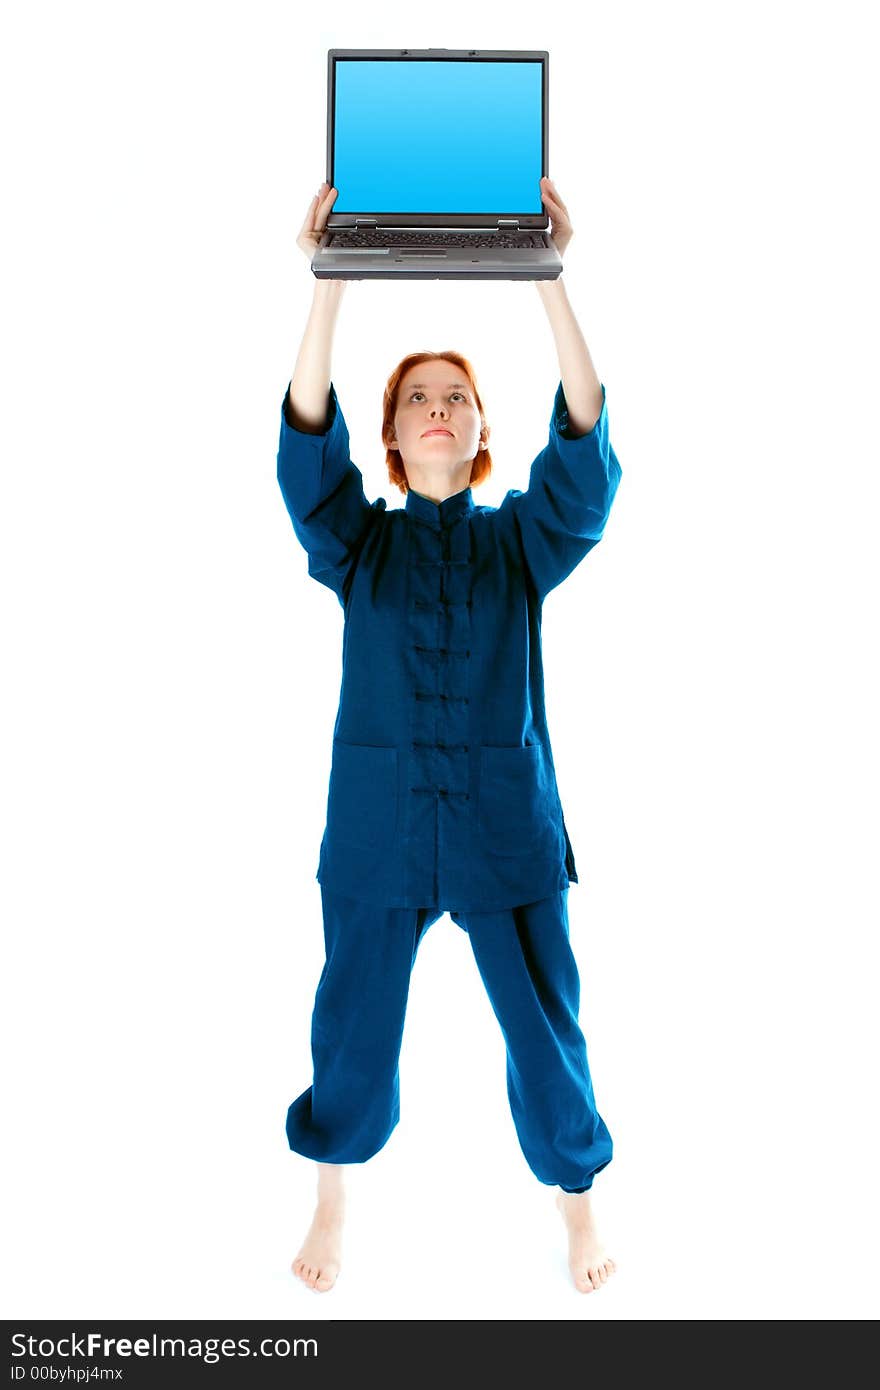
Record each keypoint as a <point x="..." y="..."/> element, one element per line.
<point x="362" y="800"/>
<point x="516" y="801"/>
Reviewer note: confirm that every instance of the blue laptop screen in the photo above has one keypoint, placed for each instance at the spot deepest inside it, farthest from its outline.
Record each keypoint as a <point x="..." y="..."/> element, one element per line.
<point x="437" y="137"/>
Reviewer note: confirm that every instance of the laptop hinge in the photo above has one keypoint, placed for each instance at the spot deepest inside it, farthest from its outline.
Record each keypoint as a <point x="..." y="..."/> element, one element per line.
<point x="508" y="222"/>
<point x="364" y="222"/>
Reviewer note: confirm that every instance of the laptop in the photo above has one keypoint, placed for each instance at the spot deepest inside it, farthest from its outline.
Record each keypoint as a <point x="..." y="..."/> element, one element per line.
<point x="436" y="155"/>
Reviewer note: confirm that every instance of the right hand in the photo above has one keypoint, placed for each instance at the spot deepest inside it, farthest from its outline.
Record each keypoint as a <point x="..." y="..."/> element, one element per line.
<point x="316" y="220"/>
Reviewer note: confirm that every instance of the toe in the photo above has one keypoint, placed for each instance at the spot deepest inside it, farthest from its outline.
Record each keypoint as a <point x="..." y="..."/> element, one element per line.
<point x="582" y="1283"/>
<point x="324" y="1282"/>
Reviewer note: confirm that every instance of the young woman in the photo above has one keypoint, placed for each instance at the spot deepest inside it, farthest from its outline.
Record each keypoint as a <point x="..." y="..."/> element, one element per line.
<point x="443" y="794"/>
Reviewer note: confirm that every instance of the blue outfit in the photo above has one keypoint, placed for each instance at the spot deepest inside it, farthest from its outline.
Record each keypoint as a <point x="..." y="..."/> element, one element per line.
<point x="526" y="963"/>
<point x="442" y="784"/>
<point x="443" y="792"/>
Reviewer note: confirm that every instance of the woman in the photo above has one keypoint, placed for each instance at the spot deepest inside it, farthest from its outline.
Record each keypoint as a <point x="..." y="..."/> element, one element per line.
<point x="443" y="793"/>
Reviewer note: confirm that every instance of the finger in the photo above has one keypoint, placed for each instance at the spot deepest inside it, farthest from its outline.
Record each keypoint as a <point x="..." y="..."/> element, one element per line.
<point x="324" y="208"/>
<point x="558" y="215"/>
<point x="554" y="196"/>
<point x="320" y="195"/>
<point x="553" y="202"/>
<point x="309" y="219"/>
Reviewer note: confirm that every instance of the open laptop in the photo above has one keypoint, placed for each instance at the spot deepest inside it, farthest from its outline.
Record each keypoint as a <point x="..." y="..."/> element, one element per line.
<point x="436" y="155"/>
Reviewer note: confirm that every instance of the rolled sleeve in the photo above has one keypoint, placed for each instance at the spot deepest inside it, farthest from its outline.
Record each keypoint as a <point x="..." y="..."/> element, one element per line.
<point x="564" y="511"/>
<point x="324" y="495"/>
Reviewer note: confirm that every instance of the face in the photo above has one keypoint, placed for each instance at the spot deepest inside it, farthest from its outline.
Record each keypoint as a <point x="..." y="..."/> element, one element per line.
<point x="437" y="422"/>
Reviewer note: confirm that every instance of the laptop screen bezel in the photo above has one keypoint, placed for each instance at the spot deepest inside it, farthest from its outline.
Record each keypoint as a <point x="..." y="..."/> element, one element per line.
<point x="528" y="220"/>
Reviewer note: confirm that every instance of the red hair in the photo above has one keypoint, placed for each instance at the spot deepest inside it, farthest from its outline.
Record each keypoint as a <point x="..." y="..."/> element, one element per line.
<point x="481" y="464"/>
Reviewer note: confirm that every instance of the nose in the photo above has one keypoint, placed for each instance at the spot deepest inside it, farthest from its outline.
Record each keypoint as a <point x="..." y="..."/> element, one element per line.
<point x="434" y="410"/>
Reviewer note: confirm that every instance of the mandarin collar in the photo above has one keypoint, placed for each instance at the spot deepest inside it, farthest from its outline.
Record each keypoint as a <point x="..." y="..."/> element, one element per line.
<point x="439" y="514"/>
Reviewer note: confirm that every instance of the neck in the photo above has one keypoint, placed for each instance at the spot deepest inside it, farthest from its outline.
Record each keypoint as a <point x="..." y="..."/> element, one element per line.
<point x="437" y="490"/>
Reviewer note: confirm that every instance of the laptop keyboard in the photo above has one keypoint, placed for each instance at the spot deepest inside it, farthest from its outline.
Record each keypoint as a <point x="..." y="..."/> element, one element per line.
<point x="385" y="237"/>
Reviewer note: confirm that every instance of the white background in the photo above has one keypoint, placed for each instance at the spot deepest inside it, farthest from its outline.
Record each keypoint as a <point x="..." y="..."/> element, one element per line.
<point x="171" y="673"/>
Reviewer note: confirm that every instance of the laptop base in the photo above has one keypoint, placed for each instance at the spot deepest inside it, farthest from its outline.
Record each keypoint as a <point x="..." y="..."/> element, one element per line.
<point x="480" y="272"/>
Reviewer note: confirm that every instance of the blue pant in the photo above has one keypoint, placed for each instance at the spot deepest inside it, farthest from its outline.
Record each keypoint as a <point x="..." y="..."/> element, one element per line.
<point x="525" y="960"/>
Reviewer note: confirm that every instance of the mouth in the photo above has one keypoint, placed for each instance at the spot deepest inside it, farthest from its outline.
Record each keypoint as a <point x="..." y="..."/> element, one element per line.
<point x="430" y="432"/>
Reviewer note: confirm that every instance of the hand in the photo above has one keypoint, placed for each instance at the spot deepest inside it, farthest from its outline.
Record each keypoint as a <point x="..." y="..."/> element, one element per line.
<point x="561" y="231"/>
<point x="316" y="220"/>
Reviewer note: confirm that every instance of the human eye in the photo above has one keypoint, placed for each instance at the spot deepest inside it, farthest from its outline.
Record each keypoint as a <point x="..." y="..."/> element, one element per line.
<point x="460" y="393"/>
<point x="412" y="394"/>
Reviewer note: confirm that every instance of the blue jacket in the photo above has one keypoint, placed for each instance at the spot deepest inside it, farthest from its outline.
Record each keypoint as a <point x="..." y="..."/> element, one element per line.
<point x="442" y="785"/>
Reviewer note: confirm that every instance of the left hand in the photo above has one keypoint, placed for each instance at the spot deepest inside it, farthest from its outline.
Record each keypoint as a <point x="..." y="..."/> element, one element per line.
<point x="560" y="227"/>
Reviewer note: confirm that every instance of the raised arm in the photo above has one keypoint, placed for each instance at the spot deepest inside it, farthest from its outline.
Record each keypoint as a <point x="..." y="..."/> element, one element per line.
<point x="322" y="489"/>
<point x="580" y="383"/>
<point x="573" y="481"/>
<point x="582" y="387"/>
<point x="309" y="391"/>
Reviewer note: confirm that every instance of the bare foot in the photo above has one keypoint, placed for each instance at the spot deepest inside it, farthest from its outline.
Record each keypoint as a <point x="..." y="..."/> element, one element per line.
<point x="318" y="1261"/>
<point x="590" y="1266"/>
